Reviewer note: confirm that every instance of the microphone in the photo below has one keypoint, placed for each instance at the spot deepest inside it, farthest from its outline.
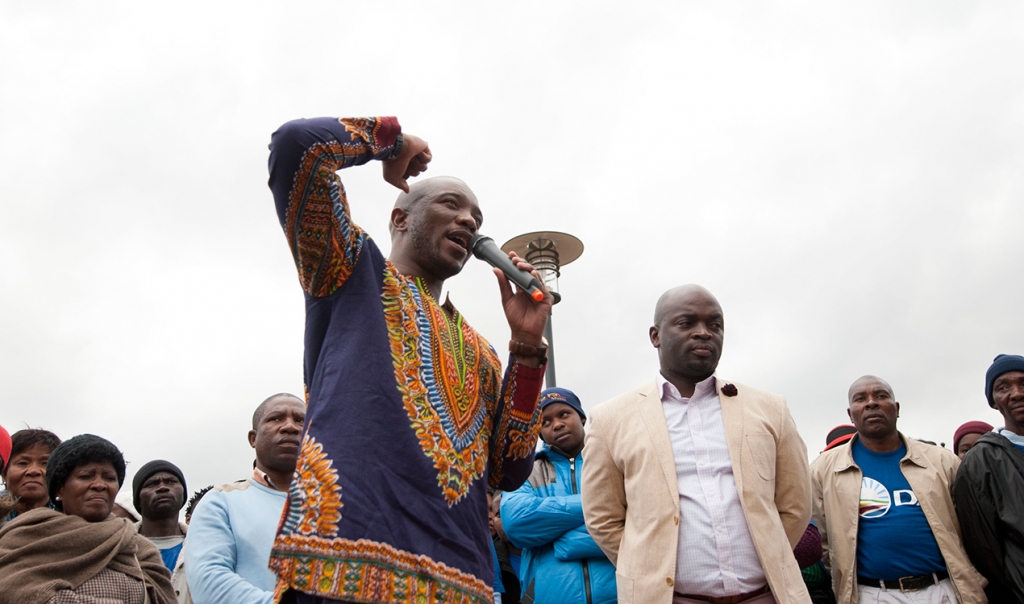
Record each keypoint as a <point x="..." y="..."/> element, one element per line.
<point x="484" y="248"/>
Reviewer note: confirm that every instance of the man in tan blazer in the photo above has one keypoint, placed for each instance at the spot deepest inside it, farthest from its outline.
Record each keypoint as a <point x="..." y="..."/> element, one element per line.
<point x="697" y="488"/>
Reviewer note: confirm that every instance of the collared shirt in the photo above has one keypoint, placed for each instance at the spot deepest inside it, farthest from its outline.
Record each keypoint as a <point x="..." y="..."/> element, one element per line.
<point x="1016" y="439"/>
<point x="716" y="555"/>
<point x="262" y="478"/>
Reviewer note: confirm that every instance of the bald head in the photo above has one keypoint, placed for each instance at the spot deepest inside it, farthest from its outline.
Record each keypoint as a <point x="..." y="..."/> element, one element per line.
<point x="688" y="331"/>
<point x="682" y="295"/>
<point x="874" y="411"/>
<point x="260" y="411"/>
<point x="864" y="383"/>
<point x="426" y="189"/>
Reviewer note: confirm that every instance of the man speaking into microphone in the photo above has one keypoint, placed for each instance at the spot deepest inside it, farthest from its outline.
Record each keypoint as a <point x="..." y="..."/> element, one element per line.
<point x="409" y="418"/>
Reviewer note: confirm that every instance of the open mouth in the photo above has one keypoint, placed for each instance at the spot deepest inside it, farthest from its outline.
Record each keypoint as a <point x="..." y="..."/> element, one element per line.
<point x="460" y="238"/>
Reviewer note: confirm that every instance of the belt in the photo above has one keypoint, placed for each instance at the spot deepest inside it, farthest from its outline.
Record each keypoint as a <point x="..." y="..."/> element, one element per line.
<point x="905" y="583"/>
<point x="727" y="599"/>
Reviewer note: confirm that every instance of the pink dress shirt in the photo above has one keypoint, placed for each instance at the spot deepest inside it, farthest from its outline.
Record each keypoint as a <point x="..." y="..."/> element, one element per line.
<point x="716" y="555"/>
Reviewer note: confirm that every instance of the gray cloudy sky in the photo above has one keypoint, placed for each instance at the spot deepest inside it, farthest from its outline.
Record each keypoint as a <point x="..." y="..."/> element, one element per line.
<point x="846" y="178"/>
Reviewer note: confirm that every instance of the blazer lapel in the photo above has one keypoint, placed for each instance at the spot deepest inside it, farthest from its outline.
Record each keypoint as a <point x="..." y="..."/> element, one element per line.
<point x="653" y="417"/>
<point x="732" y="418"/>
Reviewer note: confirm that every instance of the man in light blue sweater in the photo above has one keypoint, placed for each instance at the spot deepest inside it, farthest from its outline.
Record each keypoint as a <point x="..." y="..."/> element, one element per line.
<point x="233" y="527"/>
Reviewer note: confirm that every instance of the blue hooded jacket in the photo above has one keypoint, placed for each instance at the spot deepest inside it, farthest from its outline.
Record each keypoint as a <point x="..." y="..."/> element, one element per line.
<point x="544" y="517"/>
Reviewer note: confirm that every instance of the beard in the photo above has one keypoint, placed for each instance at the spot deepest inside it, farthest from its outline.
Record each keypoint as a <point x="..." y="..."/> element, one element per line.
<point x="701" y="368"/>
<point x="430" y="256"/>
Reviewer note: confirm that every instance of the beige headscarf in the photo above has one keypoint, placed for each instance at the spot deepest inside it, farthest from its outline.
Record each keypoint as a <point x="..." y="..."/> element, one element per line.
<point x="43" y="552"/>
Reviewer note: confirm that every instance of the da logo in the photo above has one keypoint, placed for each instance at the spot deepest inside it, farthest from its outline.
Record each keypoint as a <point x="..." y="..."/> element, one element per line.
<point x="874" y="498"/>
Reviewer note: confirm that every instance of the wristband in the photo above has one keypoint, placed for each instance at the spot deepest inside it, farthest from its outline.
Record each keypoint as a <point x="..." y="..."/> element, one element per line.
<point x="526" y="350"/>
<point x="397" y="149"/>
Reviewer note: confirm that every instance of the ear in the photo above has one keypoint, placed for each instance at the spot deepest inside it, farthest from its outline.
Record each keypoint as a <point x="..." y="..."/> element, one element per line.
<point x="252" y="438"/>
<point x="850" y="415"/>
<point x="654" y="336"/>
<point x="897" y="408"/>
<point x="583" y="421"/>
<point x="399" y="220"/>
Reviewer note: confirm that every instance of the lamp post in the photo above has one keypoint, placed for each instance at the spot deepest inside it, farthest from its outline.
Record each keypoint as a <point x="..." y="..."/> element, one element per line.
<point x="547" y="251"/>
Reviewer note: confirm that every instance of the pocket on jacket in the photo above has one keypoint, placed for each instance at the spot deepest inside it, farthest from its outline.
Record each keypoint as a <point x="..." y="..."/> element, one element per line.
<point x="761" y="448"/>
<point x="624" y="587"/>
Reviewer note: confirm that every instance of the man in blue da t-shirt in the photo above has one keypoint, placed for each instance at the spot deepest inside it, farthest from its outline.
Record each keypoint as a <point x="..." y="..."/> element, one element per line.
<point x="883" y="505"/>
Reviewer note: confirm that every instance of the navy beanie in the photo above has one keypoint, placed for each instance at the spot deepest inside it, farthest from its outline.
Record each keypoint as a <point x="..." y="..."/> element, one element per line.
<point x="1003" y="363"/>
<point x="157" y="465"/>
<point x="561" y="395"/>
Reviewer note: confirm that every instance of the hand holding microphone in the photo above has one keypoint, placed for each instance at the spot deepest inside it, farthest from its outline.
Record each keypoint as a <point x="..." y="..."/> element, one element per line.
<point x="484" y="248"/>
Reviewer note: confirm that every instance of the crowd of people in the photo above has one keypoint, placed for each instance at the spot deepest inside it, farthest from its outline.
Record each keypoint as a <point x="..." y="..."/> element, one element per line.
<point x="411" y="472"/>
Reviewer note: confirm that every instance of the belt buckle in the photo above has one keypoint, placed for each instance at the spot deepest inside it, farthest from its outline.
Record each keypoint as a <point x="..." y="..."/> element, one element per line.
<point x="909" y="580"/>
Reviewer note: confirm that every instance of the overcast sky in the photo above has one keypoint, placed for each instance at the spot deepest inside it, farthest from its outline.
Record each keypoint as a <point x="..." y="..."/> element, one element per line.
<point x="846" y="179"/>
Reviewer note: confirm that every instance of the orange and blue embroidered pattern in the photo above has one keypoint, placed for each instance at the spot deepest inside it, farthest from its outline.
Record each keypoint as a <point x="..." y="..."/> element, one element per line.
<point x="314" y="501"/>
<point x="325" y="242"/>
<point x="407" y="413"/>
<point x="448" y="383"/>
<point x="367" y="571"/>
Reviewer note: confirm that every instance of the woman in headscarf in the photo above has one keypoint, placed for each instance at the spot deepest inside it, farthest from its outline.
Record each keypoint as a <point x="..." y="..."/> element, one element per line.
<point x="25" y="473"/>
<point x="80" y="551"/>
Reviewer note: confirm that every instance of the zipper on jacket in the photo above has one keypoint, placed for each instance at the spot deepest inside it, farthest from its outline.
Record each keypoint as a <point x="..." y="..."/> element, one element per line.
<point x="586" y="567"/>
<point x="572" y="476"/>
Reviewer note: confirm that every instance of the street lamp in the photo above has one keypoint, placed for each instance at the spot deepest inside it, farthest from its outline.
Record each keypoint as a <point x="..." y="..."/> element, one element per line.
<point x="547" y="251"/>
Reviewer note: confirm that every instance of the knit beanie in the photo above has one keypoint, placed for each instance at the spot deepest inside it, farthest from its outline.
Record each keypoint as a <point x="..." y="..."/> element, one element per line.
<point x="124" y="499"/>
<point x="76" y="452"/>
<point x="1003" y="363"/>
<point x="5" y="447"/>
<point x="561" y="395"/>
<point x="157" y="465"/>
<point x="839" y="435"/>
<point x="969" y="428"/>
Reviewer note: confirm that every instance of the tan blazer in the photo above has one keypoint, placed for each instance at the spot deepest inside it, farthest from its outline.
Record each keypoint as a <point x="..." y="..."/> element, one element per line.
<point x="631" y="495"/>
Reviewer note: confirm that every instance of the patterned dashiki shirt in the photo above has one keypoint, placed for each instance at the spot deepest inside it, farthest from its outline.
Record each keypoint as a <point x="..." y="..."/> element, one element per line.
<point x="409" y="418"/>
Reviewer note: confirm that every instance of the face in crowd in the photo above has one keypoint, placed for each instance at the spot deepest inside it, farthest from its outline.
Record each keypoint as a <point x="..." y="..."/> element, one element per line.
<point x="688" y="331"/>
<point x="562" y="428"/>
<point x="967" y="442"/>
<point x="161" y="496"/>
<point x="25" y="474"/>
<point x="495" y="516"/>
<point x="873" y="408"/>
<point x="1008" y="396"/>
<point x="431" y="226"/>
<point x="90" y="490"/>
<point x="277" y="434"/>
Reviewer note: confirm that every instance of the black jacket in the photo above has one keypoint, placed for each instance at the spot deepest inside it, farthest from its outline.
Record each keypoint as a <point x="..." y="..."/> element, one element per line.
<point x="508" y="574"/>
<point x="989" y="497"/>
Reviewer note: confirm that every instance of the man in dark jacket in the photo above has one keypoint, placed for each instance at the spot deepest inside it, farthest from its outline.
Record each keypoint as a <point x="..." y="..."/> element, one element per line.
<point x="989" y="488"/>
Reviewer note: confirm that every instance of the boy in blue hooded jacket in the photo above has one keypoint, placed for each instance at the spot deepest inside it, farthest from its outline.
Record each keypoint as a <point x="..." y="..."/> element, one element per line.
<point x="561" y="563"/>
